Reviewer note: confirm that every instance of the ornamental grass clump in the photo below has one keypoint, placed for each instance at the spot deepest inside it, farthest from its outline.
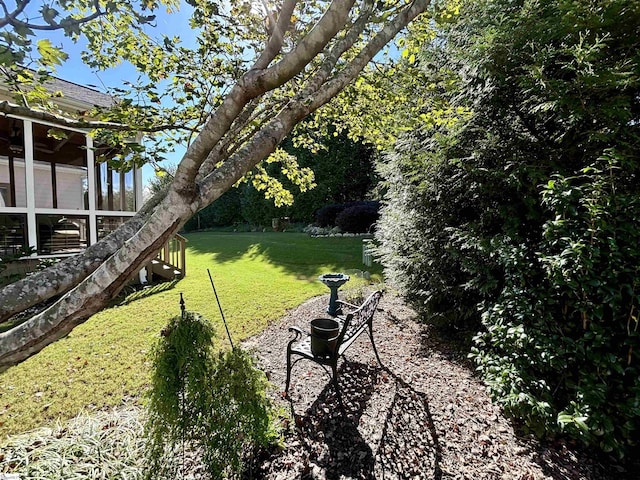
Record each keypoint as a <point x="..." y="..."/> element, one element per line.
<point x="205" y="404"/>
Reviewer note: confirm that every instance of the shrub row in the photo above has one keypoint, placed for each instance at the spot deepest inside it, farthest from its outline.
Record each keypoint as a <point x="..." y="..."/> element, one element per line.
<point x="351" y="217"/>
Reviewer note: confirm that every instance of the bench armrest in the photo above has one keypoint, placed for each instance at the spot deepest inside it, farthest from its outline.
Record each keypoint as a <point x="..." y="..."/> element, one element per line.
<point x="299" y="332"/>
<point x="355" y="307"/>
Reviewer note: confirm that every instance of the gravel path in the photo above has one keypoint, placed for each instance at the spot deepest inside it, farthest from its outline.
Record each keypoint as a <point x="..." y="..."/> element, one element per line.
<point x="424" y="416"/>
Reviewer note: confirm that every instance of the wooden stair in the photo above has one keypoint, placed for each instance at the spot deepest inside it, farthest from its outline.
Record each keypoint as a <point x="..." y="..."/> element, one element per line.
<point x="164" y="270"/>
<point x="170" y="262"/>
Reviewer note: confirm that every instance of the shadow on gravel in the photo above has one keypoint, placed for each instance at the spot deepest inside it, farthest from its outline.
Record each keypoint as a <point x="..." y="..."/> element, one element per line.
<point x="330" y="435"/>
<point x="409" y="428"/>
<point x="401" y="439"/>
<point x="453" y="348"/>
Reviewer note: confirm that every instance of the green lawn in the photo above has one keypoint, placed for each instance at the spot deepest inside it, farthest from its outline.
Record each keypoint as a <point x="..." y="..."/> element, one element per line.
<point x="103" y="362"/>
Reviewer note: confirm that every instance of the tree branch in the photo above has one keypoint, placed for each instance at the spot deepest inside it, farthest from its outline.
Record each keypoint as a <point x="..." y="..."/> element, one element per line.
<point x="267" y="139"/>
<point x="276" y="40"/>
<point x="383" y="37"/>
<point x="253" y="84"/>
<point x="308" y="48"/>
<point x="10" y="19"/>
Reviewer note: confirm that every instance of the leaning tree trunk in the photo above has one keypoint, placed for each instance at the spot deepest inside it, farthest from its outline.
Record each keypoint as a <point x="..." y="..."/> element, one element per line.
<point x="211" y="166"/>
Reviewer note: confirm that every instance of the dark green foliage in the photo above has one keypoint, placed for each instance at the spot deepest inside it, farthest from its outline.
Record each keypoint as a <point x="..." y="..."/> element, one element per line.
<point x="520" y="221"/>
<point x="359" y="218"/>
<point x="344" y="172"/>
<point x="257" y="210"/>
<point x="225" y="211"/>
<point x="355" y="217"/>
<point x="326" y="216"/>
<point x="201" y="401"/>
<point x="560" y="345"/>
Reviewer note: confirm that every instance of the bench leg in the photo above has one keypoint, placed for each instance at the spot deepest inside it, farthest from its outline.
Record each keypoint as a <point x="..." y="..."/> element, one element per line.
<point x="286" y="388"/>
<point x="375" y="350"/>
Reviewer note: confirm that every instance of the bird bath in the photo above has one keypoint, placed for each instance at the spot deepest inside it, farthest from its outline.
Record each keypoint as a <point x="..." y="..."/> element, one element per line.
<point x="334" y="281"/>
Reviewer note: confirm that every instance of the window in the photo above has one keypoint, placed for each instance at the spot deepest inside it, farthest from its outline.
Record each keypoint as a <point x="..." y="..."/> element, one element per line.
<point x="12" y="167"/>
<point x="13" y="234"/>
<point x="106" y="225"/>
<point x="5" y="195"/>
<point x="61" y="234"/>
<point x="60" y="167"/>
<point x="115" y="191"/>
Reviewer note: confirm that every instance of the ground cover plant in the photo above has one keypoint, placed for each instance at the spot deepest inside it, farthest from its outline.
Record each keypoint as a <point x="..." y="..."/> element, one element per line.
<point x="104" y="362"/>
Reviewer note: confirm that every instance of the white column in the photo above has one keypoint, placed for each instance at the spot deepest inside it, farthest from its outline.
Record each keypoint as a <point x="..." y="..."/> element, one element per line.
<point x="91" y="180"/>
<point x="138" y="187"/>
<point x="30" y="184"/>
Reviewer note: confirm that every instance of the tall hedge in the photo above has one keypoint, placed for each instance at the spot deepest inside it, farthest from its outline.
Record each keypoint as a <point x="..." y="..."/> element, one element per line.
<point x="519" y="222"/>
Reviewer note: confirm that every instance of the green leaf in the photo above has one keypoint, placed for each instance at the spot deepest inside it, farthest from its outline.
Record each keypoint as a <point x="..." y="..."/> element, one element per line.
<point x="50" y="55"/>
<point x="49" y="14"/>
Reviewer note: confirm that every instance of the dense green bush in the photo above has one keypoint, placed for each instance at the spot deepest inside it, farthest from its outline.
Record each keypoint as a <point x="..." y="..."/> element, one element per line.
<point x="354" y="217"/>
<point x="200" y="401"/>
<point x="326" y="216"/>
<point x="558" y="348"/>
<point x="358" y="218"/>
<point x="520" y="220"/>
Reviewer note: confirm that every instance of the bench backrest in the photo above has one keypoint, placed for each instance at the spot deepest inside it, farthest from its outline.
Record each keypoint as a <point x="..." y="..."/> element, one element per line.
<point x="357" y="320"/>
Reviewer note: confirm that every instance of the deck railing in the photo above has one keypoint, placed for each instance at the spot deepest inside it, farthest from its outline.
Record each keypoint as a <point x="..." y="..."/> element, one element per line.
<point x="173" y="253"/>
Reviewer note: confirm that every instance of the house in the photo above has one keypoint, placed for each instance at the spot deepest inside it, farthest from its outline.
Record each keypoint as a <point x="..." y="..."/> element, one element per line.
<point x="58" y="192"/>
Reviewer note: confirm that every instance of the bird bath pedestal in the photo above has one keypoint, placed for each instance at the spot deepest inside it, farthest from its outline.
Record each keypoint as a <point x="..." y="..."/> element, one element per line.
<point x="334" y="281"/>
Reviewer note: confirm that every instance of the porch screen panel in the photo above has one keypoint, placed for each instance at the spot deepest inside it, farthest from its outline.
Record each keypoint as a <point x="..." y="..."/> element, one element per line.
<point x="13" y="234"/>
<point x="12" y="167"/>
<point x="13" y="185"/>
<point x="60" y="234"/>
<point x="60" y="163"/>
<point x="130" y="192"/>
<point x="115" y="190"/>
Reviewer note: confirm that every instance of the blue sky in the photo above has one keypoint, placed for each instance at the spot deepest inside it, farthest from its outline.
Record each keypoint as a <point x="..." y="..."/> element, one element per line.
<point x="76" y="71"/>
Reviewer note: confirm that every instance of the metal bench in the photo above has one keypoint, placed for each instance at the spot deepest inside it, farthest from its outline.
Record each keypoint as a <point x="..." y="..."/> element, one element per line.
<point x="357" y="320"/>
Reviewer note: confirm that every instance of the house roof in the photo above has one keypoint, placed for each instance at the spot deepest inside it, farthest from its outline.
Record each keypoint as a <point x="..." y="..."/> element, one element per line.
<point x="75" y="97"/>
<point x="80" y="93"/>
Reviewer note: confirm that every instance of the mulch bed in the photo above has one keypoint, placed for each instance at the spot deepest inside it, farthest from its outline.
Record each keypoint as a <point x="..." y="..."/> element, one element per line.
<point x="423" y="416"/>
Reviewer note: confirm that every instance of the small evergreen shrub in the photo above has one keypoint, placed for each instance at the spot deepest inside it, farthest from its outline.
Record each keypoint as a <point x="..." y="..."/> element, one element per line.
<point x="214" y="404"/>
<point x="358" y="218"/>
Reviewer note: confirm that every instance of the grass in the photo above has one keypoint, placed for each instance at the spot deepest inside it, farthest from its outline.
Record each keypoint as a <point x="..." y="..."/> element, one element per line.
<point x="103" y="362"/>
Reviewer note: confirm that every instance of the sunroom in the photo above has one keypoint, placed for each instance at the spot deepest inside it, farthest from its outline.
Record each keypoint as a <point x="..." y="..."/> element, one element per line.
<point x="58" y="192"/>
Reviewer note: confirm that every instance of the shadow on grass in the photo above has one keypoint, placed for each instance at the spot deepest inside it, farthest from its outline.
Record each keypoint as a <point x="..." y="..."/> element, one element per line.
<point x="126" y="297"/>
<point x="296" y="253"/>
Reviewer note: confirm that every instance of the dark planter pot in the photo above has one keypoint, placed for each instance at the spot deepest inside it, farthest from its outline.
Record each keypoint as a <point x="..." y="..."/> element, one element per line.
<point x="324" y="336"/>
